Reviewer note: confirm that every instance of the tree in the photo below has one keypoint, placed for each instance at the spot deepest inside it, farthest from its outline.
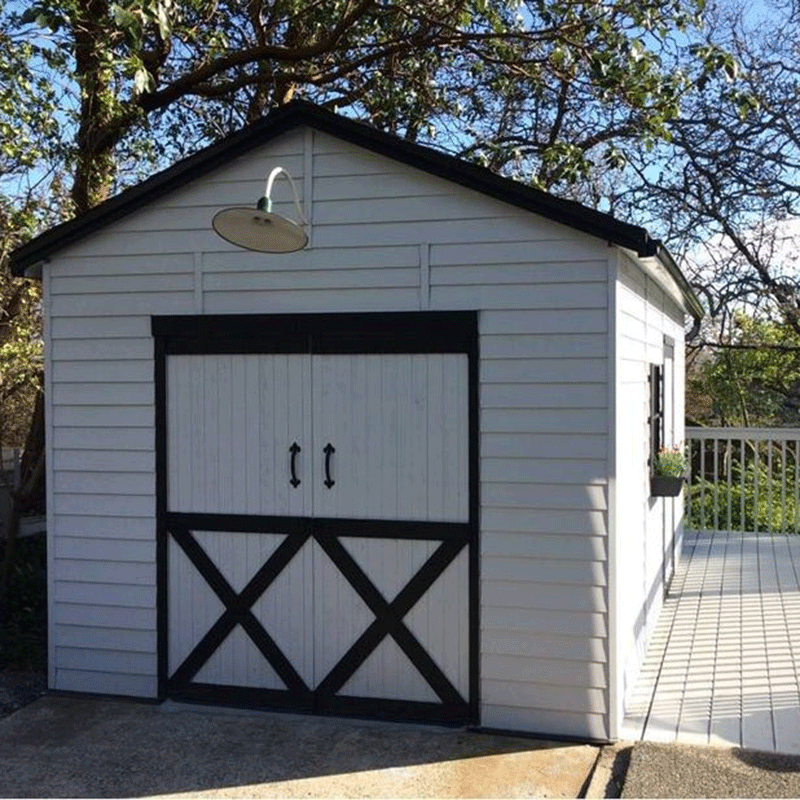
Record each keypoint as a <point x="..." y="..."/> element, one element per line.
<point x="752" y="379"/>
<point x="154" y="78"/>
<point x="98" y="93"/>
<point x="723" y="189"/>
<point x="29" y="198"/>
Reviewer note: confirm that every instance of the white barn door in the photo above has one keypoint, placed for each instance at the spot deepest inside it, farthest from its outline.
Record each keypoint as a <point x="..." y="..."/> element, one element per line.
<point x="232" y="422"/>
<point x="390" y="443"/>
<point x="318" y="530"/>
<point x="238" y="437"/>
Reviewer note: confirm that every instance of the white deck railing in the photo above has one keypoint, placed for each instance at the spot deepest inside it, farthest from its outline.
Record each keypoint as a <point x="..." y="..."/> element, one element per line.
<point x="743" y="479"/>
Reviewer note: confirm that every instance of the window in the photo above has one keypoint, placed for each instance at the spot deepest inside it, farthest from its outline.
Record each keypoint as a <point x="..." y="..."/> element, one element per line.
<point x="662" y="403"/>
<point x="656" y="418"/>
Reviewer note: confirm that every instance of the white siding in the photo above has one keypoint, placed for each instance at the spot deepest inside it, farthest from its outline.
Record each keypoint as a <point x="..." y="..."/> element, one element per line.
<point x="543" y="473"/>
<point x="645" y="525"/>
<point x="385" y="237"/>
<point x="101" y="465"/>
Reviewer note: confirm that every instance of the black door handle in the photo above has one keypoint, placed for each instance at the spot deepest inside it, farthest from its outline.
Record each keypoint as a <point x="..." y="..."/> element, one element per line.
<point x="329" y="450"/>
<point x="294" y="450"/>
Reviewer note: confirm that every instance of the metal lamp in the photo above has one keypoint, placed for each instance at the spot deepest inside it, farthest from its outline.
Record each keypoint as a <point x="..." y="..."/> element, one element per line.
<point x="261" y="229"/>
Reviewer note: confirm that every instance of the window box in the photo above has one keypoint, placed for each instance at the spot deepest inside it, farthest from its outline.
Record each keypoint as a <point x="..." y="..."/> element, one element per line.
<point x="665" y="485"/>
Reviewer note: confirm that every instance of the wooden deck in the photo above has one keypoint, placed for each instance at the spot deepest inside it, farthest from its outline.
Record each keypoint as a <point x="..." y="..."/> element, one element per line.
<point x="722" y="666"/>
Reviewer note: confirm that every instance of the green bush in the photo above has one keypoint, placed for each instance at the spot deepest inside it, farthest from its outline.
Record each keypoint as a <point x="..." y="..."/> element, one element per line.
<point x="23" y="628"/>
<point x="750" y="510"/>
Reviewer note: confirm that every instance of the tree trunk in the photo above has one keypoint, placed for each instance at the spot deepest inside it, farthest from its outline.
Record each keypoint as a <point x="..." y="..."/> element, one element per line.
<point x="94" y="171"/>
<point x="28" y="495"/>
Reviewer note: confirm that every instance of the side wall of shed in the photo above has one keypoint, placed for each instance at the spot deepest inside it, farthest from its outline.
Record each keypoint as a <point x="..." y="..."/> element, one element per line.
<point x="384" y="236"/>
<point x="649" y="529"/>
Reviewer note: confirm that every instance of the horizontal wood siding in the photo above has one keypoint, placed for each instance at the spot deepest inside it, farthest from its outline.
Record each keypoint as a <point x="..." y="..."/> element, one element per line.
<point x="544" y="449"/>
<point x="384" y="236"/>
<point x="645" y="315"/>
<point x="102" y="462"/>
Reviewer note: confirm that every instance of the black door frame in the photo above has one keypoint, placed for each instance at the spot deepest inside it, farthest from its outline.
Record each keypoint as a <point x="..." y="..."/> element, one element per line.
<point x="357" y="333"/>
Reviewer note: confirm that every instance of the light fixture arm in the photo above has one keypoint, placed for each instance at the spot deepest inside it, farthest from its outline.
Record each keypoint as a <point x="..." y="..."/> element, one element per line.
<point x="265" y="204"/>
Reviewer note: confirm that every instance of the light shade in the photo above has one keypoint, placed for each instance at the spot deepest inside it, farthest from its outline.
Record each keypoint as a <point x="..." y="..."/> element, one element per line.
<point x="262" y="231"/>
<point x="259" y="228"/>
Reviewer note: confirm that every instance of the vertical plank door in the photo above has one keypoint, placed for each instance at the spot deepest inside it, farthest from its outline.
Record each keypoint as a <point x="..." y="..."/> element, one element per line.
<point x="398" y="429"/>
<point x="238" y="464"/>
<point x="231" y="424"/>
<point x="391" y="455"/>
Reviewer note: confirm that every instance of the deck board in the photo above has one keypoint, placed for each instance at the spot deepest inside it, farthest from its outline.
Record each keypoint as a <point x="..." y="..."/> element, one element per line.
<point x="723" y="664"/>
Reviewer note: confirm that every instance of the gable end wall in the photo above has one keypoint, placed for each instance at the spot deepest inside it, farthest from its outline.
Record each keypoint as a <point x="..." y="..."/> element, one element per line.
<point x="384" y="237"/>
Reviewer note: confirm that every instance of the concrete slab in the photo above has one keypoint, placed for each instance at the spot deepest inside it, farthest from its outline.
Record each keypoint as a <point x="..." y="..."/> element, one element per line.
<point x="81" y="747"/>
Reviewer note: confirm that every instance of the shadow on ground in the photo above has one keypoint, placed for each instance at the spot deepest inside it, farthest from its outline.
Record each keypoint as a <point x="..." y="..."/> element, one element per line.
<point x="77" y="747"/>
<point x="771" y="762"/>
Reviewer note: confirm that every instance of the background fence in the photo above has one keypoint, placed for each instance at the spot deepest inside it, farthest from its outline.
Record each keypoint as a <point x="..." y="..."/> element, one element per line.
<point x="743" y="479"/>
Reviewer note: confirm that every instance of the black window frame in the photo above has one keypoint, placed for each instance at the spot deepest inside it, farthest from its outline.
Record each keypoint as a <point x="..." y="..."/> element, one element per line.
<point x="656" y="416"/>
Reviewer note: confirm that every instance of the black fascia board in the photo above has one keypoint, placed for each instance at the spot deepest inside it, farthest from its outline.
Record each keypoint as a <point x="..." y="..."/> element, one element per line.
<point x="301" y="112"/>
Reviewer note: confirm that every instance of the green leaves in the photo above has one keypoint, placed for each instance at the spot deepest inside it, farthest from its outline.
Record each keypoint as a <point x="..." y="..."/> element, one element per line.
<point x="45" y="15"/>
<point x="137" y="18"/>
<point x="714" y="61"/>
<point x="568" y="84"/>
<point x="753" y="379"/>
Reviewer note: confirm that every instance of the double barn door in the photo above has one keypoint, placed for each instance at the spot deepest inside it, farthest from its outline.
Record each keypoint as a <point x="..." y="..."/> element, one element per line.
<point x="316" y="524"/>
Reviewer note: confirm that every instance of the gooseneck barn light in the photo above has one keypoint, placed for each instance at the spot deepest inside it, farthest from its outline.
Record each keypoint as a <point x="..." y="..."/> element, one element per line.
<point x="259" y="228"/>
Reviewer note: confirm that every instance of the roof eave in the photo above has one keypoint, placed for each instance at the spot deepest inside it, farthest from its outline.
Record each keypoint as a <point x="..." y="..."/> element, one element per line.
<point x="666" y="259"/>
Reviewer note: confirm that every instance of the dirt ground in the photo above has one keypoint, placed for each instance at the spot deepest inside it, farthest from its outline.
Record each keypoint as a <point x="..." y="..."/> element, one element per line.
<point x="18" y="688"/>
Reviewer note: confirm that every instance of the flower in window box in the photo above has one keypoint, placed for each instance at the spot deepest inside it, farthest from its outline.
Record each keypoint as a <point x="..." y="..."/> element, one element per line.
<point x="669" y="468"/>
<point x="671" y="462"/>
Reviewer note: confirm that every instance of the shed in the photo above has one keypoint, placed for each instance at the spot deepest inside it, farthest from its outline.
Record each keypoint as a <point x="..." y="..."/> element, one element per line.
<point x="401" y="473"/>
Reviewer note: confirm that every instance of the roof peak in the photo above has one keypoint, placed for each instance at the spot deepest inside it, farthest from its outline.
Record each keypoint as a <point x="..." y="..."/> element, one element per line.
<point x="302" y="112"/>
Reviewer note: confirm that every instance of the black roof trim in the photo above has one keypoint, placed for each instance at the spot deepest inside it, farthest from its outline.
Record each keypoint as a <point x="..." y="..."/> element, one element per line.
<point x="300" y="112"/>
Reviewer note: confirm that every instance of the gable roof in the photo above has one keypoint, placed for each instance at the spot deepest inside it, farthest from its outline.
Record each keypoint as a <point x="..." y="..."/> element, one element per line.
<point x="300" y="112"/>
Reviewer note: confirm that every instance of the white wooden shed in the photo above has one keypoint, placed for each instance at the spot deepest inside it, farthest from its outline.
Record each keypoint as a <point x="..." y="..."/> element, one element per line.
<point x="401" y="473"/>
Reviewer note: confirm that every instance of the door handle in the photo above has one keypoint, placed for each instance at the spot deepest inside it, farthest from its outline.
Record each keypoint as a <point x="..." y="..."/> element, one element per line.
<point x="294" y="450"/>
<point x="329" y="450"/>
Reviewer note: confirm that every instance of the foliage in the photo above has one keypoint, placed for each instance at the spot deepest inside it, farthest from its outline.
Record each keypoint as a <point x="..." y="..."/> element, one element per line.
<point x="95" y="95"/>
<point x="754" y="380"/>
<point x="23" y="632"/>
<point x="721" y="190"/>
<point x="569" y="95"/>
<point x="764" y="508"/>
<point x="541" y="88"/>
<point x="20" y="355"/>
<point x="30" y="165"/>
<point x="671" y="461"/>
